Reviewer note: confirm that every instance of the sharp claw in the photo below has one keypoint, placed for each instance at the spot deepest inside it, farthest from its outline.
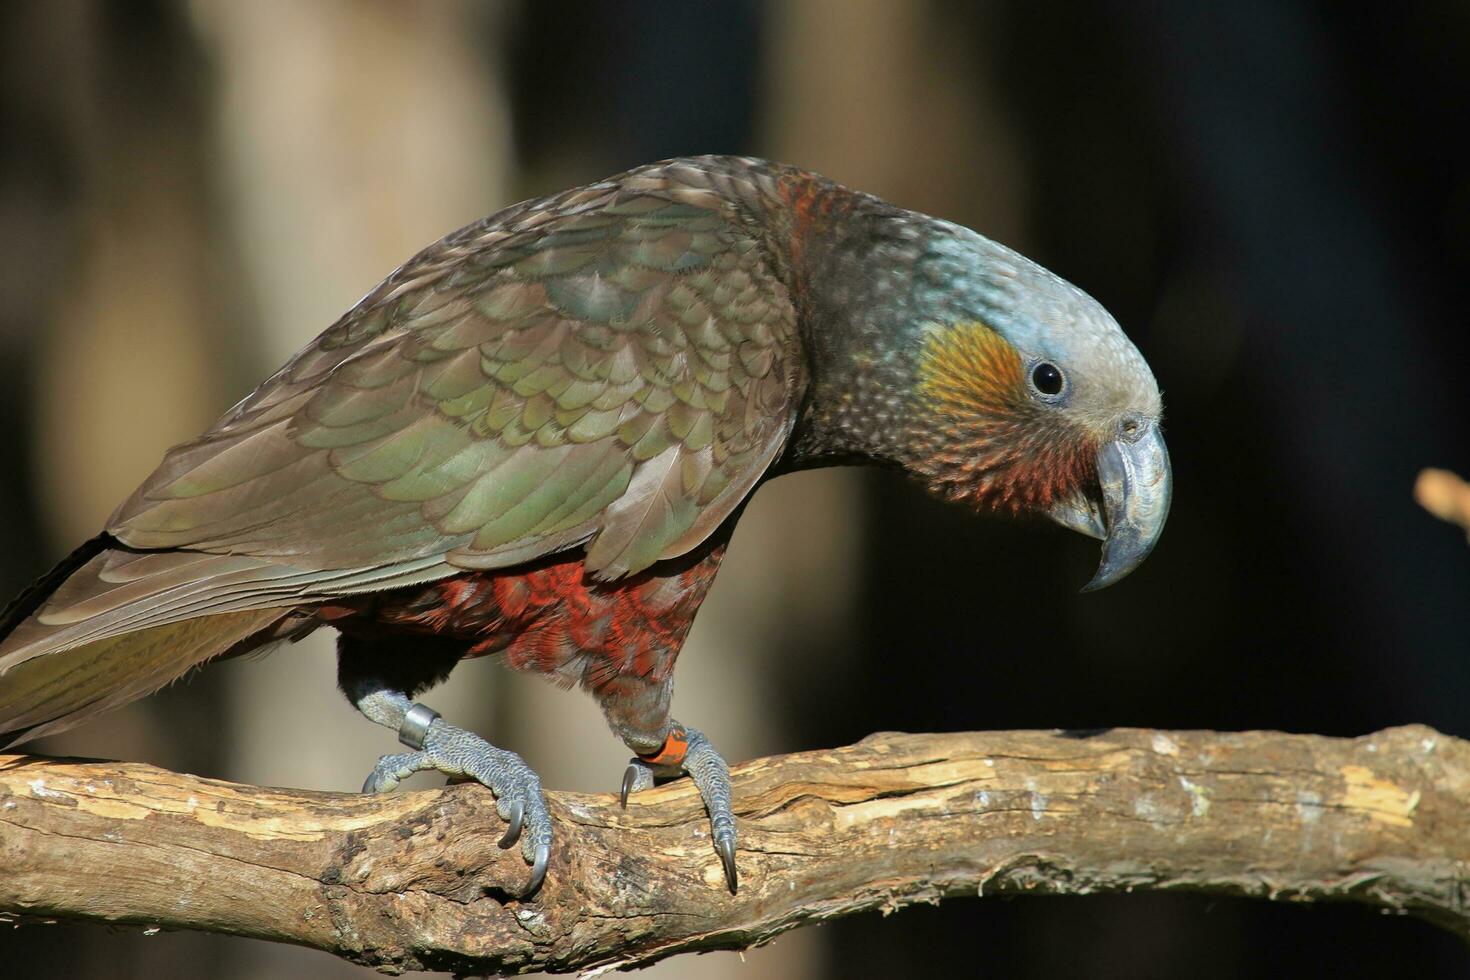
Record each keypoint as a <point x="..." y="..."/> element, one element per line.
<point x="726" y="848"/>
<point x="538" y="870"/>
<point x="517" y="818"/>
<point x="370" y="785"/>
<point x="630" y="776"/>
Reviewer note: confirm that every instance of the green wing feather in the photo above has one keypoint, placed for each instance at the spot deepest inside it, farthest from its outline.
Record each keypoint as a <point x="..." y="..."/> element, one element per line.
<point x="615" y="367"/>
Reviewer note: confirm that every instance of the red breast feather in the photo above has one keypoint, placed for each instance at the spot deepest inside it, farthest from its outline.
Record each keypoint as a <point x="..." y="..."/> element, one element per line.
<point x="552" y="618"/>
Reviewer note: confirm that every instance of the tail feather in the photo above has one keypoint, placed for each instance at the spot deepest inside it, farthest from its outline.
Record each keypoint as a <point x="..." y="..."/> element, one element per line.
<point x="94" y="634"/>
<point x="111" y="624"/>
<point x="22" y="606"/>
<point x="45" y="695"/>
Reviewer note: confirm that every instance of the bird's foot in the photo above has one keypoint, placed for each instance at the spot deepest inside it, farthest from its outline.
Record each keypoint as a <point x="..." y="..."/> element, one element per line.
<point x="455" y="752"/>
<point x="688" y="751"/>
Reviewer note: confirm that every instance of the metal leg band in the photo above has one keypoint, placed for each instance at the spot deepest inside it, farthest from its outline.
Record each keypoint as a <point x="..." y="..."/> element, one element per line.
<point x="415" y="727"/>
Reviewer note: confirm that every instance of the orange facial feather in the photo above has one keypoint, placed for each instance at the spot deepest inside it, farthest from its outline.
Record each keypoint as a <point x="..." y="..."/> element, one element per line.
<point x="993" y="444"/>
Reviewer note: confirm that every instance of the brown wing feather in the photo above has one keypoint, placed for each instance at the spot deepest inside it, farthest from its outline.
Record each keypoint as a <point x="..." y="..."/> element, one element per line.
<point x="617" y="365"/>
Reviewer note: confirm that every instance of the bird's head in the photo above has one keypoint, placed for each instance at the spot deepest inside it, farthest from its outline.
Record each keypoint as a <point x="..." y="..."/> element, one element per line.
<point x="1028" y="397"/>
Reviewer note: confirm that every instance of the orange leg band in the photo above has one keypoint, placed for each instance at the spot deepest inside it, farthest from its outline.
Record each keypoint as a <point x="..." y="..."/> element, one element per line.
<point x="676" y="746"/>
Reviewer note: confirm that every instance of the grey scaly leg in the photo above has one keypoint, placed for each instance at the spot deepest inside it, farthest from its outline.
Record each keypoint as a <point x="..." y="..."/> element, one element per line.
<point x="710" y="774"/>
<point x="441" y="746"/>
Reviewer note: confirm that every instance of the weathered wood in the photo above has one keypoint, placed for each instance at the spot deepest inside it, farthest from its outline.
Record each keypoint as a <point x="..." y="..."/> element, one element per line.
<point x="414" y="880"/>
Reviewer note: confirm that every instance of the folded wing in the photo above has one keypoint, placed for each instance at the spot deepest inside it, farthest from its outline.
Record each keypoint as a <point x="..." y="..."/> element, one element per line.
<point x="612" y="368"/>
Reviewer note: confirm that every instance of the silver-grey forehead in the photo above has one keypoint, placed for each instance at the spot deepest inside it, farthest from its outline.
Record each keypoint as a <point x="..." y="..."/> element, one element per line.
<point x="966" y="276"/>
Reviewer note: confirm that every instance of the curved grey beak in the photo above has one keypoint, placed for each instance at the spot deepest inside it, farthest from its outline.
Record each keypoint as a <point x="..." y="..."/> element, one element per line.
<point x="1133" y="472"/>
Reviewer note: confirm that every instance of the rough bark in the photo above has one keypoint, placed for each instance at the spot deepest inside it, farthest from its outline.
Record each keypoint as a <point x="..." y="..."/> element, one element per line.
<point x="414" y="880"/>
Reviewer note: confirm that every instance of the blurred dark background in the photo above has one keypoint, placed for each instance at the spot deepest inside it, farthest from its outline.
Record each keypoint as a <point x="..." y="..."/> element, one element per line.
<point x="1273" y="198"/>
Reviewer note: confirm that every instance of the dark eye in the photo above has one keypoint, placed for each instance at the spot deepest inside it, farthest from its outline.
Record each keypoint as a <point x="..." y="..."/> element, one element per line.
<point x="1047" y="378"/>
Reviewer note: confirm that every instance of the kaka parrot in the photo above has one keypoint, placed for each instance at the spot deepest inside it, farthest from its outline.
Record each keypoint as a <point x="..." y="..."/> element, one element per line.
<point x="535" y="437"/>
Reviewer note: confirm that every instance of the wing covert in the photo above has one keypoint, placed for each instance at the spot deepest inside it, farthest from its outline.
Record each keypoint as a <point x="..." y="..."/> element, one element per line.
<point x="615" y="366"/>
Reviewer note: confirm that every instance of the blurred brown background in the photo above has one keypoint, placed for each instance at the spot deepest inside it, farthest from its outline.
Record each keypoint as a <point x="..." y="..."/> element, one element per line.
<point x="1272" y="197"/>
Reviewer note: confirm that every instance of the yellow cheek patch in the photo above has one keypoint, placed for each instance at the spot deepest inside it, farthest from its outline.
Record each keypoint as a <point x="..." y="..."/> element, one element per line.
<point x="969" y="369"/>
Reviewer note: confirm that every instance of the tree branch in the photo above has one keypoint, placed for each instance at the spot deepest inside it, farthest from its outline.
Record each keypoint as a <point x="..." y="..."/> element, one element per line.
<point x="1444" y="495"/>
<point x="414" y="880"/>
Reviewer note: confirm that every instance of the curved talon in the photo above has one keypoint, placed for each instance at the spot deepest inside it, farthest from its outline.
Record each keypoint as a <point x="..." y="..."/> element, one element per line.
<point x="638" y="777"/>
<point x="725" y="846"/>
<point x="538" y="870"/>
<point x="392" y="770"/>
<point x="630" y="776"/>
<point x="516" y="818"/>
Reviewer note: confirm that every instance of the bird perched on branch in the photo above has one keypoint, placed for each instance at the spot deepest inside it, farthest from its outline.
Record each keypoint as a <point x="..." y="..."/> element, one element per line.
<point x="535" y="437"/>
